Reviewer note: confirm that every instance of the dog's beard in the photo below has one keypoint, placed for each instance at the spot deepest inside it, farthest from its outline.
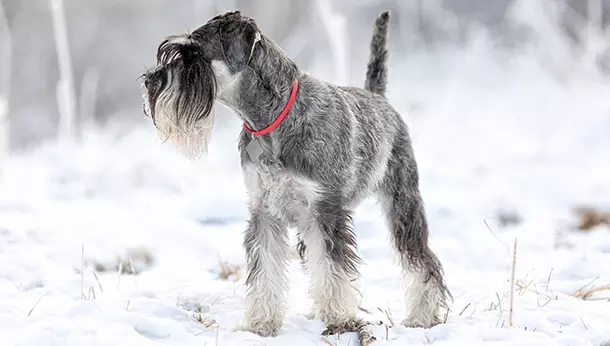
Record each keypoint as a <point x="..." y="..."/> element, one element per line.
<point x="191" y="139"/>
<point x="181" y="102"/>
<point x="182" y="123"/>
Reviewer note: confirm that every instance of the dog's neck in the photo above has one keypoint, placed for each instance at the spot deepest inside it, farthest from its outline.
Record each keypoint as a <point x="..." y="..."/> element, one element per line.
<point x="259" y="93"/>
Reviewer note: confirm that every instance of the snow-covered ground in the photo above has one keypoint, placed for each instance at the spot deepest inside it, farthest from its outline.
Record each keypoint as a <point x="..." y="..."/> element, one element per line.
<point x="493" y="137"/>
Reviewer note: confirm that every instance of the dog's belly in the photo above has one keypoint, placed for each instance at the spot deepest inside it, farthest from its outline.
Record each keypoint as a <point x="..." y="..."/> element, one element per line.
<point x="285" y="195"/>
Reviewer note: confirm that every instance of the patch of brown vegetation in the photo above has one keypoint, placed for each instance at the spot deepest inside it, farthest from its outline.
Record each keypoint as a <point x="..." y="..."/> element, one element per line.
<point x="590" y="218"/>
<point x="229" y="271"/>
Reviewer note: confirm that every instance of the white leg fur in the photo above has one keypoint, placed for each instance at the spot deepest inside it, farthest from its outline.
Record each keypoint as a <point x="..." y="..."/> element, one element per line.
<point x="422" y="300"/>
<point x="335" y="299"/>
<point x="268" y="287"/>
<point x="267" y="250"/>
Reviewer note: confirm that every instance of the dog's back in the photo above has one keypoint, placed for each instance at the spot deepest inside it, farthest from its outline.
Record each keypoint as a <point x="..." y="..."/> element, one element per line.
<point x="362" y="121"/>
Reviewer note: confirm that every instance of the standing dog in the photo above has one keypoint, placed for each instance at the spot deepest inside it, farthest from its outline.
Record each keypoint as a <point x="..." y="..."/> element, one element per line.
<point x="310" y="152"/>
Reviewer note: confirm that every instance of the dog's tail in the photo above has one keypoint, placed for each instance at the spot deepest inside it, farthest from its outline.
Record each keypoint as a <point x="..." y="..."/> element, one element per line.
<point x="377" y="69"/>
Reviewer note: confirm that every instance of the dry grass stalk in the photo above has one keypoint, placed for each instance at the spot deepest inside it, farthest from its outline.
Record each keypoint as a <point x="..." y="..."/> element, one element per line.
<point x="388" y="315"/>
<point x="387" y="329"/>
<point x="512" y="285"/>
<point x="583" y="323"/>
<point x="464" y="309"/>
<point x="91" y="293"/>
<point x="204" y="320"/>
<point x="98" y="281"/>
<point x="586" y="293"/>
<point x="36" y="304"/>
<point x="327" y="342"/>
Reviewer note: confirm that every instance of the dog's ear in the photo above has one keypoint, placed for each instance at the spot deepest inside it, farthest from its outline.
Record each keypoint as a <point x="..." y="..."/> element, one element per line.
<point x="238" y="39"/>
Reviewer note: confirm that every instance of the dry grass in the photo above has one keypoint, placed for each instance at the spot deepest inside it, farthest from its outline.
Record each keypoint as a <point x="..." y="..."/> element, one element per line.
<point x="36" y="304"/>
<point x="326" y="341"/>
<point x="134" y="261"/>
<point x="204" y="319"/>
<point x="387" y="326"/>
<point x="229" y="271"/>
<point x="589" y="218"/>
<point x="512" y="285"/>
<point x="585" y="293"/>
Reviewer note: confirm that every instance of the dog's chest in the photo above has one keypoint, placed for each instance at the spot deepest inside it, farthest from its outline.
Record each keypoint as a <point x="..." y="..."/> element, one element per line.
<point x="285" y="195"/>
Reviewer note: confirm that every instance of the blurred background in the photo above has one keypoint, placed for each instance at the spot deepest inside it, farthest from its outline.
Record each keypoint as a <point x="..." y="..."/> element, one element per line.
<point x="110" y="42"/>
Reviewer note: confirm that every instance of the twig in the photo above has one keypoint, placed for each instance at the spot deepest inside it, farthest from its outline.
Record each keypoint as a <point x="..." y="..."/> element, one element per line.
<point x="388" y="315"/>
<point x="498" y="238"/>
<point x="364" y="310"/>
<point x="90" y="293"/>
<point x="98" y="281"/>
<point x="36" y="304"/>
<point x="584" y="294"/>
<point x="500" y="300"/>
<point x="548" y="280"/>
<point x="589" y="284"/>
<point x="466" y="307"/>
<point x="512" y="285"/>
<point x="209" y="324"/>
<point x="583" y="323"/>
<point x="473" y="311"/>
<point x="545" y="304"/>
<point x="326" y="341"/>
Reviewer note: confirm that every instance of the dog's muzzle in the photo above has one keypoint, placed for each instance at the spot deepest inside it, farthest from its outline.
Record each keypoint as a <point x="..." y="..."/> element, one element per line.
<point x="153" y="82"/>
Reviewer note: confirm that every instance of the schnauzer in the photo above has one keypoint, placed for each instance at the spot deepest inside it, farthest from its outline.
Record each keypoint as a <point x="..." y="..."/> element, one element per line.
<point x="310" y="152"/>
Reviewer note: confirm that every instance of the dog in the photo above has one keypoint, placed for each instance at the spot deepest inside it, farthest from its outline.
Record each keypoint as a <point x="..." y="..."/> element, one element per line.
<point x="310" y="153"/>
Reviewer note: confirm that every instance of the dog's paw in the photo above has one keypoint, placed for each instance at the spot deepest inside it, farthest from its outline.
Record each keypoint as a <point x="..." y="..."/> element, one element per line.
<point x="262" y="328"/>
<point x="421" y="322"/>
<point x="365" y="333"/>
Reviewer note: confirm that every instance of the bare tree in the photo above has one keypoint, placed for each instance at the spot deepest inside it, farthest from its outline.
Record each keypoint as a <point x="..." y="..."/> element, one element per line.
<point x="336" y="30"/>
<point x="66" y="95"/>
<point x="5" y="74"/>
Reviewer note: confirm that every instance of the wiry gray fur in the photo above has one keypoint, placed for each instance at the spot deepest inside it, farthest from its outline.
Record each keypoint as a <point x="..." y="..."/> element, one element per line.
<point x="337" y="146"/>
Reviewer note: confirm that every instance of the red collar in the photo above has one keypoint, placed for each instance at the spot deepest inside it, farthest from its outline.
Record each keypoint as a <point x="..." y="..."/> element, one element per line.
<point x="283" y="114"/>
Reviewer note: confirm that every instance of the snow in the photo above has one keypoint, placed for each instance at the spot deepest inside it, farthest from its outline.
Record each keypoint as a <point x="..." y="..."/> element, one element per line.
<point x="492" y="135"/>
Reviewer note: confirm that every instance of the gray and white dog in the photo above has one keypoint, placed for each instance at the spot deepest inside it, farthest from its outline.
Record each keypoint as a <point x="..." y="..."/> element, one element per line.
<point x="310" y="153"/>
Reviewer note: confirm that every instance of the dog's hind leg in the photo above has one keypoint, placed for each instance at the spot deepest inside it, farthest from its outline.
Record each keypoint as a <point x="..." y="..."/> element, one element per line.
<point x="329" y="249"/>
<point x="403" y="207"/>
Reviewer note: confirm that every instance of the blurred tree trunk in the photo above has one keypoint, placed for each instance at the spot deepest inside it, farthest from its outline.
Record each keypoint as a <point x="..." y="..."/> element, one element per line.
<point x="5" y="76"/>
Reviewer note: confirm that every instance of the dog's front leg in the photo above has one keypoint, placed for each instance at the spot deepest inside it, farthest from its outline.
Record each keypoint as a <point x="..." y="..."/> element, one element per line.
<point x="266" y="245"/>
<point x="329" y="248"/>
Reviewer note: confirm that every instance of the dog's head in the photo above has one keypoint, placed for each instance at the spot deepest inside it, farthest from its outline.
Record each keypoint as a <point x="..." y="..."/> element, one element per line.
<point x="192" y="70"/>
